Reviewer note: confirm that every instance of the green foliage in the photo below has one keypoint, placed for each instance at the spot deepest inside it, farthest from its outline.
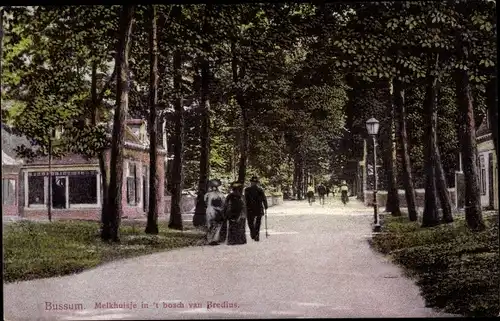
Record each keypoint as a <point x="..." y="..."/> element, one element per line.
<point x="456" y="269"/>
<point x="40" y="250"/>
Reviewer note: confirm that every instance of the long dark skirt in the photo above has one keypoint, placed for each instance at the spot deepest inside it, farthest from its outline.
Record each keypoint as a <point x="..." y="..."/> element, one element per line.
<point x="235" y="232"/>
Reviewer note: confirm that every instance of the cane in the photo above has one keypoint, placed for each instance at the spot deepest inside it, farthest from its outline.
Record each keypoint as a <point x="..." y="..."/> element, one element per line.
<point x="265" y="218"/>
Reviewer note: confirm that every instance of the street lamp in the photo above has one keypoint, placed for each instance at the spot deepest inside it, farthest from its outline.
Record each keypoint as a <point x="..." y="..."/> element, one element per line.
<point x="372" y="127"/>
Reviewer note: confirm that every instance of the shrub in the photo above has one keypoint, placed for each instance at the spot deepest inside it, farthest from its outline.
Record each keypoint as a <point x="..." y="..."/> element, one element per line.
<point x="457" y="270"/>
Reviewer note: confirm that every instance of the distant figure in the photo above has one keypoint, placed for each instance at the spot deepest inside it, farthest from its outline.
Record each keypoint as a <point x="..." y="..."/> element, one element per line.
<point x="344" y="190"/>
<point x="214" y="200"/>
<point x="256" y="202"/>
<point x="235" y="213"/>
<point x="327" y="191"/>
<point x="321" y="193"/>
<point x="310" y="194"/>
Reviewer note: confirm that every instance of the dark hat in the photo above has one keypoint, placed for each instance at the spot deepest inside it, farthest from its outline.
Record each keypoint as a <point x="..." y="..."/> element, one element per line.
<point x="214" y="182"/>
<point x="254" y="179"/>
<point x="236" y="184"/>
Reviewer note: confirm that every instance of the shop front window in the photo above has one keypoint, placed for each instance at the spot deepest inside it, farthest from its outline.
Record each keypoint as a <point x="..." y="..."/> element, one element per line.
<point x="36" y="190"/>
<point x="83" y="189"/>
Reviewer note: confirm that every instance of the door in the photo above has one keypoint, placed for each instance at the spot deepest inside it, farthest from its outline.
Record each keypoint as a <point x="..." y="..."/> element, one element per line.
<point x="59" y="192"/>
<point x="145" y="189"/>
<point x="491" y="193"/>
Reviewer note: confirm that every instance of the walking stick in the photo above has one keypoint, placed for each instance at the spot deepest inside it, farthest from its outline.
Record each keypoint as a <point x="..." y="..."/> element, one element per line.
<point x="265" y="218"/>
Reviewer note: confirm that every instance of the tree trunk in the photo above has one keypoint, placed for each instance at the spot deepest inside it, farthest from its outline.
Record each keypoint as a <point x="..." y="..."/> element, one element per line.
<point x="392" y="204"/>
<point x="152" y="222"/>
<point x="242" y="168"/>
<point x="399" y="101"/>
<point x="442" y="187"/>
<point x="114" y="204"/>
<point x="296" y="175"/>
<point x="430" y="215"/>
<point x="492" y="101"/>
<point x="177" y="168"/>
<point x="473" y="211"/>
<point x="1" y="50"/>
<point x="199" y="218"/>
<point x="96" y="100"/>
<point x="300" y="181"/>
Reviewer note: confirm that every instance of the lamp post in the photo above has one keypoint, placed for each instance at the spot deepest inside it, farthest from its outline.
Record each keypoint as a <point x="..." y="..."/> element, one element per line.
<point x="372" y="126"/>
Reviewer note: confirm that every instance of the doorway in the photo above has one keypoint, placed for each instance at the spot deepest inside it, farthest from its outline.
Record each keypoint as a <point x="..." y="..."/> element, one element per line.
<point x="491" y="193"/>
<point x="59" y="192"/>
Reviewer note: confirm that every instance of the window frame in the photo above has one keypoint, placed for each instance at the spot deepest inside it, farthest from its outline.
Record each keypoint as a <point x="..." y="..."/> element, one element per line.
<point x="482" y="174"/>
<point x="85" y="205"/>
<point x="11" y="197"/>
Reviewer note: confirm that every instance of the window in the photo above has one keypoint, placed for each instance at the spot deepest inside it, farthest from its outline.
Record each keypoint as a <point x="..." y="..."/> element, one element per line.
<point x="83" y="189"/>
<point x="482" y="174"/>
<point x="132" y="183"/>
<point x="8" y="191"/>
<point x="36" y="190"/>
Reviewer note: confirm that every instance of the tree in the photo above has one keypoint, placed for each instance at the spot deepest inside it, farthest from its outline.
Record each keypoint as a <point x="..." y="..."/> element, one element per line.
<point x="392" y="204"/>
<point x="399" y="102"/>
<point x="152" y="222"/>
<point x="111" y="223"/>
<point x="204" y="163"/>
<point x="177" y="167"/>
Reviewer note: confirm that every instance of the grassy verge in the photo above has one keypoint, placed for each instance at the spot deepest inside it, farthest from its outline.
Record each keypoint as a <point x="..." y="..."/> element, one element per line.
<point x="35" y="250"/>
<point x="457" y="270"/>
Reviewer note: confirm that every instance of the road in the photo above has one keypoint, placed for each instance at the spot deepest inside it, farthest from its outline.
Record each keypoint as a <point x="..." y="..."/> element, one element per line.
<point x="315" y="263"/>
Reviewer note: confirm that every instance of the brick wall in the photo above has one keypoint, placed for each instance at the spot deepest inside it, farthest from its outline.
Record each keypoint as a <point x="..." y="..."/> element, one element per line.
<point x="11" y="209"/>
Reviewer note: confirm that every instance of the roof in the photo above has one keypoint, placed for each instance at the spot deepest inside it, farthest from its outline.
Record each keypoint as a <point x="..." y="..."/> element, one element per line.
<point x="483" y="128"/>
<point x="7" y="160"/>
<point x="10" y="140"/>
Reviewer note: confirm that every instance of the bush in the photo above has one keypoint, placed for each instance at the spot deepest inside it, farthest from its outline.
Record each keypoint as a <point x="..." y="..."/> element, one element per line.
<point x="456" y="269"/>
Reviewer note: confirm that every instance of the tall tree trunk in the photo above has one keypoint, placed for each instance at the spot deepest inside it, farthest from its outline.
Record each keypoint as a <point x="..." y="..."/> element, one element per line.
<point x="430" y="215"/>
<point x="152" y="222"/>
<point x="177" y="168"/>
<point x="199" y="217"/>
<point x="114" y="204"/>
<point x="492" y="101"/>
<point x="473" y="211"/>
<point x="96" y="101"/>
<point x="1" y="50"/>
<point x="296" y="175"/>
<point x="300" y="181"/>
<point x="442" y="187"/>
<point x="399" y="101"/>
<point x="238" y="72"/>
<point x="242" y="168"/>
<point x="392" y="204"/>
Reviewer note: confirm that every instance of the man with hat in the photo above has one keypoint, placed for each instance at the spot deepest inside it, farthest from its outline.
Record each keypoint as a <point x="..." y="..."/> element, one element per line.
<point x="256" y="203"/>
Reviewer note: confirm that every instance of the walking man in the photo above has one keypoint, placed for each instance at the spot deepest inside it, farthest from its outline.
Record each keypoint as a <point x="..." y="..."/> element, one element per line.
<point x="321" y="192"/>
<point x="256" y="203"/>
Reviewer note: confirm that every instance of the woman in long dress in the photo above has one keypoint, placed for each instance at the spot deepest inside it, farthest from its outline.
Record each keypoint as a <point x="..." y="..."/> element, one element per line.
<point x="235" y="213"/>
<point x="215" y="216"/>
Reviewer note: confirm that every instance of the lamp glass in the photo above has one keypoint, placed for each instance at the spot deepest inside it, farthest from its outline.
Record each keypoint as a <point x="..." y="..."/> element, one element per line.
<point x="372" y="126"/>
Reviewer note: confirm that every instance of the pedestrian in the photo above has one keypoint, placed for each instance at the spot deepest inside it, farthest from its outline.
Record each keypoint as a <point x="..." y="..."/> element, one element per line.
<point x="235" y="213"/>
<point x="310" y="194"/>
<point x="256" y="203"/>
<point x="344" y="190"/>
<point x="321" y="193"/>
<point x="214" y="201"/>
<point x="327" y="191"/>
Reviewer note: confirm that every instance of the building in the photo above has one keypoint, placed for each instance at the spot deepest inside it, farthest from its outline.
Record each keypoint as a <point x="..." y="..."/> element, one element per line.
<point x="487" y="166"/>
<point x="11" y="169"/>
<point x="77" y="181"/>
